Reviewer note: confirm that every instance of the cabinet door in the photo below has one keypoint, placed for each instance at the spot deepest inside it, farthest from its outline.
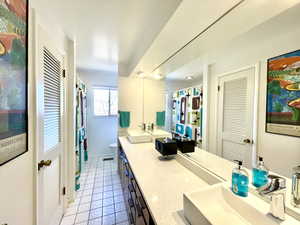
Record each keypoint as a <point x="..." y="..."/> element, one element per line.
<point x="154" y="99"/>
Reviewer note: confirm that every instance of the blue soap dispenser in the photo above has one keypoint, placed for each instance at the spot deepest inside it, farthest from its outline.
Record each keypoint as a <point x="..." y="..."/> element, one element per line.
<point x="240" y="180"/>
<point x="260" y="174"/>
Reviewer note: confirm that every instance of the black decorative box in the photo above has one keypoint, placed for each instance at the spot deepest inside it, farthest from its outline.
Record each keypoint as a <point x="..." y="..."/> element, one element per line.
<point x="185" y="145"/>
<point x="166" y="146"/>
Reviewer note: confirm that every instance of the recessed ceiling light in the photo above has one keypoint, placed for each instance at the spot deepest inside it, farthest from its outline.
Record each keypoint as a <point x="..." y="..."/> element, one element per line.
<point x="158" y="76"/>
<point x="189" y="77"/>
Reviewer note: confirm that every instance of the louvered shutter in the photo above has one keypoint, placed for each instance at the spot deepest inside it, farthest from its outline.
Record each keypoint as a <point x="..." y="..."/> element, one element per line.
<point x="52" y="98"/>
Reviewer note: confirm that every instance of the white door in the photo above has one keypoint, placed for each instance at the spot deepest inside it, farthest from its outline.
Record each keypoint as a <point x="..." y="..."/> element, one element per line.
<point x="235" y="116"/>
<point x="49" y="131"/>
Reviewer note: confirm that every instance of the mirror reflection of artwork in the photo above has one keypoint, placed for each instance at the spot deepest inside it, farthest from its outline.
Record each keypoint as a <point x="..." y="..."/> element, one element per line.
<point x="174" y="104"/>
<point x="187" y="114"/>
<point x="196" y="103"/>
<point x="283" y="94"/>
<point x="182" y="110"/>
<point x="13" y="79"/>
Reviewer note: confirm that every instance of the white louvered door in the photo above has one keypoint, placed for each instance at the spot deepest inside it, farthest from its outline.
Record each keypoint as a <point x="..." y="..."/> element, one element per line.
<point x="235" y="121"/>
<point x="50" y="139"/>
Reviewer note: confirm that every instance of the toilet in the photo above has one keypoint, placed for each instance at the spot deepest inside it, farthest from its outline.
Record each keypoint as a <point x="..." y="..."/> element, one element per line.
<point x="113" y="149"/>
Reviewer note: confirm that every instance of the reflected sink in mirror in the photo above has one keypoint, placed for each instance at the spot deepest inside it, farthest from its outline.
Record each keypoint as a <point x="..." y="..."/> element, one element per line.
<point x="158" y="133"/>
<point x="139" y="136"/>
<point x="217" y="205"/>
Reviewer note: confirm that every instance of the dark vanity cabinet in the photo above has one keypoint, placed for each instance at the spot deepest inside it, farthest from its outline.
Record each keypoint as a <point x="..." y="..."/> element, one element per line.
<point x="138" y="212"/>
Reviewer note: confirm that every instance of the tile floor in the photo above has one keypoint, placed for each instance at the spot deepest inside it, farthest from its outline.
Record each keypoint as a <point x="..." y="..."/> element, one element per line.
<point x="100" y="198"/>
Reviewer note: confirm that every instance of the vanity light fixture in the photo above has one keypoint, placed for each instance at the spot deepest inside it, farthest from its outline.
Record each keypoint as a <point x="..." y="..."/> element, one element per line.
<point x="140" y="74"/>
<point x="189" y="77"/>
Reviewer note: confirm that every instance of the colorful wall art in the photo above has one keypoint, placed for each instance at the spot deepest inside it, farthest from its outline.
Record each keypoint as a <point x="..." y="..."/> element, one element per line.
<point x="187" y="113"/>
<point x="283" y="94"/>
<point x="13" y="79"/>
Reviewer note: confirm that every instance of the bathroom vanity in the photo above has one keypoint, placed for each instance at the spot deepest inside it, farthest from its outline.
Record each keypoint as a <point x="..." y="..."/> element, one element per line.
<point x="171" y="192"/>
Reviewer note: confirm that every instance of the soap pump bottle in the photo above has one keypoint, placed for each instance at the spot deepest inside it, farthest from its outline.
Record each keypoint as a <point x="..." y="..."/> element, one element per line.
<point x="260" y="174"/>
<point x="240" y="180"/>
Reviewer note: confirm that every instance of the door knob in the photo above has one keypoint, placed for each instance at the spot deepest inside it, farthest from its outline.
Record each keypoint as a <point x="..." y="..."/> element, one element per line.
<point x="44" y="163"/>
<point x="248" y="141"/>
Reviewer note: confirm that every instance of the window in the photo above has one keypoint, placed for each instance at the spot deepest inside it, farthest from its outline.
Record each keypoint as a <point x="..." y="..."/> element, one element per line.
<point x="105" y="101"/>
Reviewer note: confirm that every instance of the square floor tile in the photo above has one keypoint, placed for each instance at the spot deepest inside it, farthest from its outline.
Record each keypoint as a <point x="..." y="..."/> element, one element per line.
<point x="74" y="204"/>
<point x="98" y="190"/>
<point x="82" y="217"/>
<point x="71" y="211"/>
<point x="118" y="198"/>
<point x="120" y="206"/>
<point x="97" y="221"/>
<point x="83" y="223"/>
<point x="108" y="201"/>
<point x="123" y="223"/>
<point x="109" y="220"/>
<point x="108" y="188"/>
<point x="98" y="185"/>
<point x="118" y="192"/>
<point x="84" y="207"/>
<point x="97" y="196"/>
<point x="108" y="210"/>
<point x="86" y="199"/>
<point x="121" y="217"/>
<point x="117" y="186"/>
<point x="96" y="204"/>
<point x="95" y="213"/>
<point x="108" y="183"/>
<point x="107" y="194"/>
<point x="68" y="220"/>
<point x="87" y="192"/>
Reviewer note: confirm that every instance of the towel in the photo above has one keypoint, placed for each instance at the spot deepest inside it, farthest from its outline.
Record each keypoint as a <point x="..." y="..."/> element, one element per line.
<point x="160" y="118"/>
<point x="124" y="119"/>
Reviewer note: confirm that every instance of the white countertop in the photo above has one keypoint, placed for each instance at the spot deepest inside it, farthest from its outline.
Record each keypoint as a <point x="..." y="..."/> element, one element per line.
<point x="164" y="182"/>
<point x="161" y="182"/>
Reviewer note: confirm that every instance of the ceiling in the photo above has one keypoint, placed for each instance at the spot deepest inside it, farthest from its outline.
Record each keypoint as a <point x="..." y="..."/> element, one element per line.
<point x="211" y="26"/>
<point x="111" y="35"/>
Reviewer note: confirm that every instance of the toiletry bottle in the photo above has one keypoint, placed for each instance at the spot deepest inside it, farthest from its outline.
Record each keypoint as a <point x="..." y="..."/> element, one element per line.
<point x="260" y="174"/>
<point x="240" y="180"/>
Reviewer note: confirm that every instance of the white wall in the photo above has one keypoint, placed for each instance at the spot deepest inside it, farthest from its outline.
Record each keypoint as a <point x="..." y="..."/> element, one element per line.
<point x="270" y="39"/>
<point x="101" y="130"/>
<point x="142" y="98"/>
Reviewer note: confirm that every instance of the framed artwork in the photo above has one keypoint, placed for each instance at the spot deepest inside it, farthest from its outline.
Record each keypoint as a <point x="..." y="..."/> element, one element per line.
<point x="13" y="79"/>
<point x="283" y="95"/>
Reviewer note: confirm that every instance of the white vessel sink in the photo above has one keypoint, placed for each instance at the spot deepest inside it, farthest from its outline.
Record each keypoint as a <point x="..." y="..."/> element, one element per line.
<point x="217" y="205"/>
<point x="139" y="136"/>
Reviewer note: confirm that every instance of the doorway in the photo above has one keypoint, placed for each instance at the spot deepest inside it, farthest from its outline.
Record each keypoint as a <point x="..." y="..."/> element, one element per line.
<point x="236" y="127"/>
<point x="50" y="141"/>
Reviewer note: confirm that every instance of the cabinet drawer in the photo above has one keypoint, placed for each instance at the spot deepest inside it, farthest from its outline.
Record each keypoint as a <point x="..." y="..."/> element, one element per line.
<point x="140" y="220"/>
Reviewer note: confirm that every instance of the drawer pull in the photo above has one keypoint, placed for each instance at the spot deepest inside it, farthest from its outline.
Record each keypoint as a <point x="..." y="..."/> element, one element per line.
<point x="130" y="188"/>
<point x="142" y="202"/>
<point x="130" y="202"/>
<point x="139" y="211"/>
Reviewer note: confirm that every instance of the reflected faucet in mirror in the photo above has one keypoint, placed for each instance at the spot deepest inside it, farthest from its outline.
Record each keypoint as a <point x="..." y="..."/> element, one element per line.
<point x="276" y="190"/>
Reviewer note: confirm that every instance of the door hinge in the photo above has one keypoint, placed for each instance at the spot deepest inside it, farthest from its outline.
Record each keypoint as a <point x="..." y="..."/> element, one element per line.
<point x="219" y="87"/>
<point x="64" y="73"/>
<point x="64" y="191"/>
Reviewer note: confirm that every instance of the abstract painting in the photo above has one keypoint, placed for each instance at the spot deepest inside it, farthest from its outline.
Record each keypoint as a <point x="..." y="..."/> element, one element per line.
<point x="13" y="78"/>
<point x="283" y="94"/>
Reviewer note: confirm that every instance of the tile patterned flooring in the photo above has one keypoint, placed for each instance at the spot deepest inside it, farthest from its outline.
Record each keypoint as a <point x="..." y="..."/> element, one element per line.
<point x="100" y="199"/>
